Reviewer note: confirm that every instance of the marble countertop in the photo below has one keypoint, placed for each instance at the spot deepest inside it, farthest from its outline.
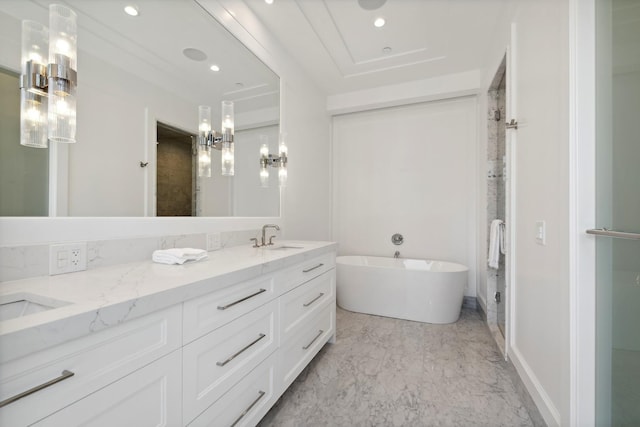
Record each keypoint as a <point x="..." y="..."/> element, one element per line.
<point x="104" y="297"/>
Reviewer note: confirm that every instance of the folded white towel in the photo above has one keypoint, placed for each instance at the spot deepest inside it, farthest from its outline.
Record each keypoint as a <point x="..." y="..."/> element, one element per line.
<point x="496" y="243"/>
<point x="178" y="255"/>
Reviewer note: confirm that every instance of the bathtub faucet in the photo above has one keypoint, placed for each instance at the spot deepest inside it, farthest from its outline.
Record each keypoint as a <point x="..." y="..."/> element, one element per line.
<point x="397" y="254"/>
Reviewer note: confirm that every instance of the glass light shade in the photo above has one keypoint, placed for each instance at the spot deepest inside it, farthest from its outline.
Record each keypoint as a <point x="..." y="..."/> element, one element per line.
<point x="204" y="161"/>
<point x="35" y="51"/>
<point x="62" y="112"/>
<point x="283" y="152"/>
<point x="33" y="102"/>
<point x="204" y="123"/>
<point x="264" y="149"/>
<point x="282" y="176"/>
<point x="227" y="121"/>
<point x="63" y="57"/>
<point x="227" y="159"/>
<point x="264" y="177"/>
<point x="282" y="148"/>
<point x="63" y="36"/>
<point x="33" y="119"/>
<point x="264" y="168"/>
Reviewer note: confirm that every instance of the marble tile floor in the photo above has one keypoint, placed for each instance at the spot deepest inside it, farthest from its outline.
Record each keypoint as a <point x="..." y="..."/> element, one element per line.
<point x="391" y="372"/>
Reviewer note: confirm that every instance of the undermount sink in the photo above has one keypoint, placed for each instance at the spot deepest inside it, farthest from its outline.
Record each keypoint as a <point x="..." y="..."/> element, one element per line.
<point x="282" y="247"/>
<point x="25" y="303"/>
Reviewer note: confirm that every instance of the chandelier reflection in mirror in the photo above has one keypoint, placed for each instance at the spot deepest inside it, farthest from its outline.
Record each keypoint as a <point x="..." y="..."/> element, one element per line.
<point x="209" y="138"/>
<point x="49" y="63"/>
<point x="279" y="161"/>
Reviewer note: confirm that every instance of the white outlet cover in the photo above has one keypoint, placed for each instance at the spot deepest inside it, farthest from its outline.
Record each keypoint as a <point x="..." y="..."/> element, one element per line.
<point x="67" y="258"/>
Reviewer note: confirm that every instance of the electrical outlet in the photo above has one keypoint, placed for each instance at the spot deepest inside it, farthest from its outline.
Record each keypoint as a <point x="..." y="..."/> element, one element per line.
<point x="67" y="258"/>
<point x="213" y="241"/>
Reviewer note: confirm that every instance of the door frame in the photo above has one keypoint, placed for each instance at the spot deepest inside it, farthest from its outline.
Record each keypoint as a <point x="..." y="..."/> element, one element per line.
<point x="582" y="203"/>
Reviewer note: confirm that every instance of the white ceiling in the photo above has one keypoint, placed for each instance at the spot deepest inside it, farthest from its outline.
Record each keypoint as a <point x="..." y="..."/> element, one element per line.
<point x="151" y="46"/>
<point x="336" y="42"/>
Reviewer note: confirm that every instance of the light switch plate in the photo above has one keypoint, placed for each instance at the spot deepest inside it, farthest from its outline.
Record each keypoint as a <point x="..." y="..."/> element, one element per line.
<point x="541" y="233"/>
<point x="67" y="258"/>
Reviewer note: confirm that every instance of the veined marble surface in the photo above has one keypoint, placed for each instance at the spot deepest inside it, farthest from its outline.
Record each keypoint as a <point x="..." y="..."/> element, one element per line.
<point x="104" y="297"/>
<point x="391" y="372"/>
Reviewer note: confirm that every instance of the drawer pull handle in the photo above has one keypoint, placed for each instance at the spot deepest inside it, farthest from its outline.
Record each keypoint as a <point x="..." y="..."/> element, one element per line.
<point x="233" y="356"/>
<point x="312" y="268"/>
<point x="313" y="340"/>
<point x="65" y="374"/>
<point x="224" y="307"/>
<point x="246" y="411"/>
<point x="313" y="300"/>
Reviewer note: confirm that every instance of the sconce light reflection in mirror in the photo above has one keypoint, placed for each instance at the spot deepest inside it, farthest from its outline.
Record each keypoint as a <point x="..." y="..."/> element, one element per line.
<point x="53" y="119"/>
<point x="279" y="161"/>
<point x="209" y="138"/>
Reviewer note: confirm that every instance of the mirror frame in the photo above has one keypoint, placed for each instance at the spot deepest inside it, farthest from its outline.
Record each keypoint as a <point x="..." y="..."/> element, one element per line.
<point x="18" y="231"/>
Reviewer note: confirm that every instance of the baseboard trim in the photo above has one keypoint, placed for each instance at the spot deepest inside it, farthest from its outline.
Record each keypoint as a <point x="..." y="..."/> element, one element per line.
<point x="540" y="397"/>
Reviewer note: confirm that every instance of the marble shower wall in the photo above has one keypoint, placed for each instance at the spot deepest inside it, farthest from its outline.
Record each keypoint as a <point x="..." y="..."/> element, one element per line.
<point x="496" y="203"/>
<point x="21" y="262"/>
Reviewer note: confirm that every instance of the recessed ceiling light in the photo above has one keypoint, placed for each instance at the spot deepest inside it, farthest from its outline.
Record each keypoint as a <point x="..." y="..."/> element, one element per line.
<point x="131" y="10"/>
<point x="214" y="68"/>
<point x="379" y="22"/>
<point x="268" y="1"/>
<point x="194" y="54"/>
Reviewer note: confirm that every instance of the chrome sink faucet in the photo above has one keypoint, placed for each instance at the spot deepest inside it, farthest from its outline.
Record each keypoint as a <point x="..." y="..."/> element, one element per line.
<point x="264" y="229"/>
<point x="397" y="254"/>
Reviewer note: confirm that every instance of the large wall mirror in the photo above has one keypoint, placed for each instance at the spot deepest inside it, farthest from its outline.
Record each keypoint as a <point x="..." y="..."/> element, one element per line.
<point x="140" y="81"/>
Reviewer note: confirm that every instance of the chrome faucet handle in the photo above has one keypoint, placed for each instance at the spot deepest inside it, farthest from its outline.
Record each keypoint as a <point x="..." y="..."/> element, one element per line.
<point x="271" y="240"/>
<point x="255" y="242"/>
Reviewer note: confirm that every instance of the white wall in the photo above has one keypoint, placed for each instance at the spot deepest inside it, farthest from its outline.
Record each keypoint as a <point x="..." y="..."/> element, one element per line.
<point x="408" y="170"/>
<point x="247" y="179"/>
<point x="105" y="177"/>
<point x="539" y="339"/>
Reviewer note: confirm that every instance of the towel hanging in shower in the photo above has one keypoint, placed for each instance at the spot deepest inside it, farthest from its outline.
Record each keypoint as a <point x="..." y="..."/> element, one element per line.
<point x="496" y="243"/>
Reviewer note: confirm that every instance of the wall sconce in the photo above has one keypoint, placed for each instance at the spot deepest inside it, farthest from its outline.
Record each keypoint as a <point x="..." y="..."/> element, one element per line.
<point x="209" y="138"/>
<point x="279" y="162"/>
<point x="56" y="79"/>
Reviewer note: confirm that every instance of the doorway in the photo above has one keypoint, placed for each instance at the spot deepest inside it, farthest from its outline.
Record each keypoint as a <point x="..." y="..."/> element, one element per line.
<point x="496" y="199"/>
<point x="176" y="172"/>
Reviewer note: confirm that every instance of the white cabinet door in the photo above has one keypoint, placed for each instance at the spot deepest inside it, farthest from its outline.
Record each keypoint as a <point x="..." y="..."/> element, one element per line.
<point x="96" y="360"/>
<point x="247" y="402"/>
<point x="215" y="362"/>
<point x="151" y="396"/>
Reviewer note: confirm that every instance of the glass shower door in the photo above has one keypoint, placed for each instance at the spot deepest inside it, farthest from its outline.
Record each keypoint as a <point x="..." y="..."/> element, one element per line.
<point x="618" y="212"/>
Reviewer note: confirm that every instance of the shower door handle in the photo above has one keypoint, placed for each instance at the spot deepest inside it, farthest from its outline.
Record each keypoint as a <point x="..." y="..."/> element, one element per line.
<point x="613" y="233"/>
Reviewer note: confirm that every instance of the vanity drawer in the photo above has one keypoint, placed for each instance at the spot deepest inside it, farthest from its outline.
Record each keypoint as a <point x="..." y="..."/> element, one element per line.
<point x="247" y="402"/>
<point x="305" y="271"/>
<point x="209" y="312"/>
<point x="304" y="301"/>
<point x="298" y="351"/>
<point x="215" y="362"/>
<point x="147" y="397"/>
<point x="95" y="361"/>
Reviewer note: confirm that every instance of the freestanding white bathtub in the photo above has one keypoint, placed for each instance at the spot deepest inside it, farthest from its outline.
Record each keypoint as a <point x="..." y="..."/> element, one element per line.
<point x="412" y="289"/>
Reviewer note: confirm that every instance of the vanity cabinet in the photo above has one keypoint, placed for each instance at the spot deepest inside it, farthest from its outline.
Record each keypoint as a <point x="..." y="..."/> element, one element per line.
<point x="223" y="358"/>
<point x="235" y="373"/>
<point x="148" y="397"/>
<point x="87" y="365"/>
